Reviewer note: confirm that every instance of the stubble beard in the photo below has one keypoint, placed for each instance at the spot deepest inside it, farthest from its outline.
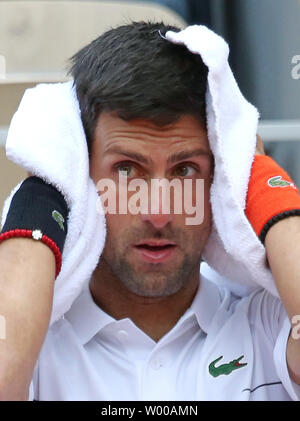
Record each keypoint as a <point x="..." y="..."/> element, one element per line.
<point x="155" y="283"/>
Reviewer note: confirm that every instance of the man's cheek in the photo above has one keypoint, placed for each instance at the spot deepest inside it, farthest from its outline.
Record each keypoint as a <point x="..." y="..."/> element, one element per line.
<point x="115" y="227"/>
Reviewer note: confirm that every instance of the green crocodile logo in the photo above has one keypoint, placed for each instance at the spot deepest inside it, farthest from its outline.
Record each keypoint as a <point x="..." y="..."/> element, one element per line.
<point x="59" y="219"/>
<point x="277" y="181"/>
<point x="225" y="368"/>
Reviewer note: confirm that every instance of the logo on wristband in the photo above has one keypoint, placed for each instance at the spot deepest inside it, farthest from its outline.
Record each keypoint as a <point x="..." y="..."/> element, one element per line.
<point x="57" y="216"/>
<point x="278" y="182"/>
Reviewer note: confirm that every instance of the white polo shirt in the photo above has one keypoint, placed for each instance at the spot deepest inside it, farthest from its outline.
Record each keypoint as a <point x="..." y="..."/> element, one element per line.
<point x="89" y="355"/>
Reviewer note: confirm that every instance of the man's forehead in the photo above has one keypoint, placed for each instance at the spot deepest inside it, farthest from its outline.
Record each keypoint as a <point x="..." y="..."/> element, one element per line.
<point x="187" y="130"/>
<point x="188" y="118"/>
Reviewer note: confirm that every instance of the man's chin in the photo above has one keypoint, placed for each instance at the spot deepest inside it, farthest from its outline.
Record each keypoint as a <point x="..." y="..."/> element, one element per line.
<point x="152" y="285"/>
<point x="153" y="280"/>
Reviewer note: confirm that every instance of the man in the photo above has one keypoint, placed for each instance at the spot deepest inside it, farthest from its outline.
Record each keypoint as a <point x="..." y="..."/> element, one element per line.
<point x="148" y="327"/>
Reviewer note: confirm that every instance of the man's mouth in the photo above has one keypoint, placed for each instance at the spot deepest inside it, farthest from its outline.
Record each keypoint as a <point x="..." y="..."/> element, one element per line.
<point x="155" y="251"/>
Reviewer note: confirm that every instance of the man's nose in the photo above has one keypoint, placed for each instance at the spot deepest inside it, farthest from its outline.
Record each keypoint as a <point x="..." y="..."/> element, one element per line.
<point x="159" y="208"/>
<point x="158" y="221"/>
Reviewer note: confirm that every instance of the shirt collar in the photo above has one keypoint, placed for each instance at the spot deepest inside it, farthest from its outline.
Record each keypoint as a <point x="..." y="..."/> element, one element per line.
<point x="88" y="319"/>
<point x="206" y="303"/>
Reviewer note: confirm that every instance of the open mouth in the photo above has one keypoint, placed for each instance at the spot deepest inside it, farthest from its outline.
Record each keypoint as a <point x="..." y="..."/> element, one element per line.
<point x="155" y="253"/>
<point x="155" y="248"/>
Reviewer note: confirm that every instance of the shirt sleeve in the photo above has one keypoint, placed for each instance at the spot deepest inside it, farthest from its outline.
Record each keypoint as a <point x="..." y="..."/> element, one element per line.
<point x="31" y="391"/>
<point x="33" y="388"/>
<point x="279" y="355"/>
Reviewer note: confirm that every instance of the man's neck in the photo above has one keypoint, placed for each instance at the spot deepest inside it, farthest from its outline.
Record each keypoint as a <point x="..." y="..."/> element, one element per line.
<point x="154" y="315"/>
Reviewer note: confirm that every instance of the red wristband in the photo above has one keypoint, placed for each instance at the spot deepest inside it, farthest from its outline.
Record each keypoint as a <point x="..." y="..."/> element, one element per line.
<point x="272" y="195"/>
<point x="36" y="235"/>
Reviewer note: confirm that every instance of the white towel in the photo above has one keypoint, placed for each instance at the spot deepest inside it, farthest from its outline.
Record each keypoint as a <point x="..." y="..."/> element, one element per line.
<point x="46" y="138"/>
<point x="233" y="249"/>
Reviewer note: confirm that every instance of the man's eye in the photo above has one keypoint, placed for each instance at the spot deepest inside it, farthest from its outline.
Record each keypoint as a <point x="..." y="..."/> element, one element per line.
<point x="125" y="169"/>
<point x="185" y="171"/>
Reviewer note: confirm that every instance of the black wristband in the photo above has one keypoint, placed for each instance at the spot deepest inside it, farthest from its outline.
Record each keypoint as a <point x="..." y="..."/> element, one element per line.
<point x="39" y="206"/>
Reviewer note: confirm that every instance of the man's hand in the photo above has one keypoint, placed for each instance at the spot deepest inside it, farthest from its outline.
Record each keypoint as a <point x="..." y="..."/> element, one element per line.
<point x="259" y="146"/>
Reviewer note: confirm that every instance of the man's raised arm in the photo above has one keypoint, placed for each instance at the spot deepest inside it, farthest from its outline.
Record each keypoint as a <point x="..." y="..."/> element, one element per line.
<point x="283" y="251"/>
<point x="27" y="272"/>
<point x="273" y="208"/>
<point x="31" y="244"/>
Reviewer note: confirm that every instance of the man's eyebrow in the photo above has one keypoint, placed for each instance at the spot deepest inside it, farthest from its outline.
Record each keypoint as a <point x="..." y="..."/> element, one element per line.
<point x="182" y="155"/>
<point x="178" y="156"/>
<point x="133" y="155"/>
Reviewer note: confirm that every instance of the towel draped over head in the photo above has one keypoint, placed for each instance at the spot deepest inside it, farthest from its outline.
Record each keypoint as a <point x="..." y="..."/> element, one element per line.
<point x="46" y="138"/>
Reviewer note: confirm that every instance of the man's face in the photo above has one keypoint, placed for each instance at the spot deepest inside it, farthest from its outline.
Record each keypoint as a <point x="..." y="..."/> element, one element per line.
<point x="153" y="254"/>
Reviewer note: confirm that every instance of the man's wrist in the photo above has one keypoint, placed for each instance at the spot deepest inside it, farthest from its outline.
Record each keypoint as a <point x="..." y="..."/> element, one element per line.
<point x="38" y="211"/>
<point x="272" y="196"/>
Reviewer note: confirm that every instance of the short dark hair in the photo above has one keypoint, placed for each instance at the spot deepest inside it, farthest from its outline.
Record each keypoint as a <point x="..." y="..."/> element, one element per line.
<point x="135" y="72"/>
